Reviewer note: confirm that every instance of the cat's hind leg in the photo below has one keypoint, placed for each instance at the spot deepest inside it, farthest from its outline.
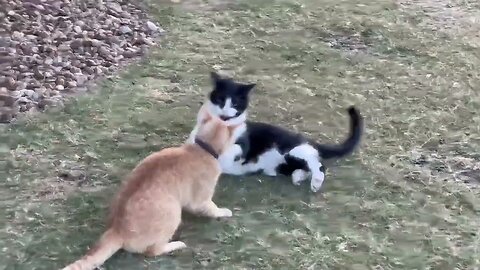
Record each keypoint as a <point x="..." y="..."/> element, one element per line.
<point x="298" y="176"/>
<point x="310" y="155"/>
<point x="269" y="161"/>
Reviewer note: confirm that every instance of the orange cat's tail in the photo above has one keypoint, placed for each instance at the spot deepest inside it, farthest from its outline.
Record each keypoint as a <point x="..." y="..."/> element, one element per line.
<point x="109" y="243"/>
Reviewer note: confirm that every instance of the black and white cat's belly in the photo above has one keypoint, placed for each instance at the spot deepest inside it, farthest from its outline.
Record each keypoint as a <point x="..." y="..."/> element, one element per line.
<point x="273" y="150"/>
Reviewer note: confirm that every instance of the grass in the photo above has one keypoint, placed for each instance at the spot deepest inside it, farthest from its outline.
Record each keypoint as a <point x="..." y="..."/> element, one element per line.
<point x="408" y="199"/>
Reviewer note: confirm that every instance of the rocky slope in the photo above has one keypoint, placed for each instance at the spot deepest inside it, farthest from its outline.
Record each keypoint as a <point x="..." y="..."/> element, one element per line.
<point x="52" y="48"/>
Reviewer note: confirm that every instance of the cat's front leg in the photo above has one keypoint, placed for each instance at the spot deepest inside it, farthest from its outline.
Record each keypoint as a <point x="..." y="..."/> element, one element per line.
<point x="210" y="209"/>
<point x="317" y="179"/>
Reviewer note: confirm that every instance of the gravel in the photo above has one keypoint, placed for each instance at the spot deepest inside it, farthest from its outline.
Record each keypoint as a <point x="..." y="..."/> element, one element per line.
<point x="52" y="48"/>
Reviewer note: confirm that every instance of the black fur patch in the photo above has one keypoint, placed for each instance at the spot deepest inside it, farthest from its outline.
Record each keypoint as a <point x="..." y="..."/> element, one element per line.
<point x="263" y="137"/>
<point x="292" y="164"/>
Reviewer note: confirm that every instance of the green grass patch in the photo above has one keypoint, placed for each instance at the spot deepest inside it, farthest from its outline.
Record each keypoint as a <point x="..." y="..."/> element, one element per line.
<point x="406" y="200"/>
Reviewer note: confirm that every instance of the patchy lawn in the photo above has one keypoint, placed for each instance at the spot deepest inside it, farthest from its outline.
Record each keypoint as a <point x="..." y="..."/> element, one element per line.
<point x="409" y="199"/>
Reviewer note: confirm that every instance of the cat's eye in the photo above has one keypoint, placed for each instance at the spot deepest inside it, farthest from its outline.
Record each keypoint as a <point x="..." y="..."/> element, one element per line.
<point x="238" y="101"/>
<point x="219" y="99"/>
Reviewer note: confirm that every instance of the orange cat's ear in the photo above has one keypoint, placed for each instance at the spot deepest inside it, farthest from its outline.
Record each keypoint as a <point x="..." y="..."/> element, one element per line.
<point x="204" y="116"/>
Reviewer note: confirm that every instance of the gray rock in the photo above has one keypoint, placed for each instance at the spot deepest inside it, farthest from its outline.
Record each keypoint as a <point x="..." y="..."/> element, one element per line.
<point x="48" y="61"/>
<point x="75" y="70"/>
<point x="96" y="43"/>
<point x="91" y="62"/>
<point x="72" y="84"/>
<point x="60" y="81"/>
<point x="81" y="79"/>
<point x="151" y="26"/>
<point x="32" y="95"/>
<point x="77" y="29"/>
<point x="103" y="51"/>
<point x="23" y="100"/>
<point x="18" y="35"/>
<point x="16" y="94"/>
<point x="76" y="44"/>
<point x="63" y="47"/>
<point x="124" y="29"/>
<point x="89" y="70"/>
<point x="79" y="23"/>
<point x="114" y="7"/>
<point x="38" y="74"/>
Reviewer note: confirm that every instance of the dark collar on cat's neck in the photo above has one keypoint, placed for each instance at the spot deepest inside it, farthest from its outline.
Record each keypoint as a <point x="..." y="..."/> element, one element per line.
<point x="207" y="147"/>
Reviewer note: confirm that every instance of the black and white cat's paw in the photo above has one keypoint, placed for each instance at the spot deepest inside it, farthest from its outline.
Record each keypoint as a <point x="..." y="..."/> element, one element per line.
<point x="317" y="180"/>
<point x="298" y="176"/>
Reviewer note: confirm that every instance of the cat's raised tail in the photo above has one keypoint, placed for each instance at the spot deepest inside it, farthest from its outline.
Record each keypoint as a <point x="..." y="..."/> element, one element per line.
<point x="109" y="243"/>
<point x="349" y="145"/>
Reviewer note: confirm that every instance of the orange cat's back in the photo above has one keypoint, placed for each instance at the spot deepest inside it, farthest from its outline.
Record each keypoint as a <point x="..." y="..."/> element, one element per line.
<point x="167" y="174"/>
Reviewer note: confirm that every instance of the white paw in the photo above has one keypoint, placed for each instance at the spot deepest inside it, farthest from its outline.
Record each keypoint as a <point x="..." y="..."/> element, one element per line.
<point x="176" y="245"/>
<point x="298" y="176"/>
<point x="224" y="212"/>
<point x="317" y="182"/>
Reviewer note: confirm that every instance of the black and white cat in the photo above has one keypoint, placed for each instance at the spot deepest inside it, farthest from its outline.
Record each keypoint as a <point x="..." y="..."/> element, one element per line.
<point x="268" y="148"/>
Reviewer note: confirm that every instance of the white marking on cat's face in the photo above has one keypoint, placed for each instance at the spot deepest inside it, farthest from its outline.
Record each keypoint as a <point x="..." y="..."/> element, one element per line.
<point x="226" y="111"/>
<point x="217" y="111"/>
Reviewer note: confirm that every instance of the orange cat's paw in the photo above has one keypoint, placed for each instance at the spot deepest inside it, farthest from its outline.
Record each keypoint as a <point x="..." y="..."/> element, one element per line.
<point x="224" y="212"/>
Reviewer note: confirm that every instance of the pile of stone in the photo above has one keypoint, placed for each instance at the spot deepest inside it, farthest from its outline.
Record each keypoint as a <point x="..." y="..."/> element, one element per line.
<point x="52" y="48"/>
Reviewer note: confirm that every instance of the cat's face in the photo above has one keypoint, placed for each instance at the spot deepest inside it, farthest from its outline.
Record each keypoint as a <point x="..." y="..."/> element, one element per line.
<point x="229" y="99"/>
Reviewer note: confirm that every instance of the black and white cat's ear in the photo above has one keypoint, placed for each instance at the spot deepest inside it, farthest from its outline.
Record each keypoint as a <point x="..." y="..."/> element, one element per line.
<point x="246" y="88"/>
<point x="215" y="77"/>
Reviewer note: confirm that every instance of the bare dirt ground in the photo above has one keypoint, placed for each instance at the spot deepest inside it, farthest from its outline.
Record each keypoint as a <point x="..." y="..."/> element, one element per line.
<point x="408" y="199"/>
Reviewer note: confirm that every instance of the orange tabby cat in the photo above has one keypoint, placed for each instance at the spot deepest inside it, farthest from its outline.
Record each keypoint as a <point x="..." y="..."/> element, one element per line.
<point x="147" y="210"/>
